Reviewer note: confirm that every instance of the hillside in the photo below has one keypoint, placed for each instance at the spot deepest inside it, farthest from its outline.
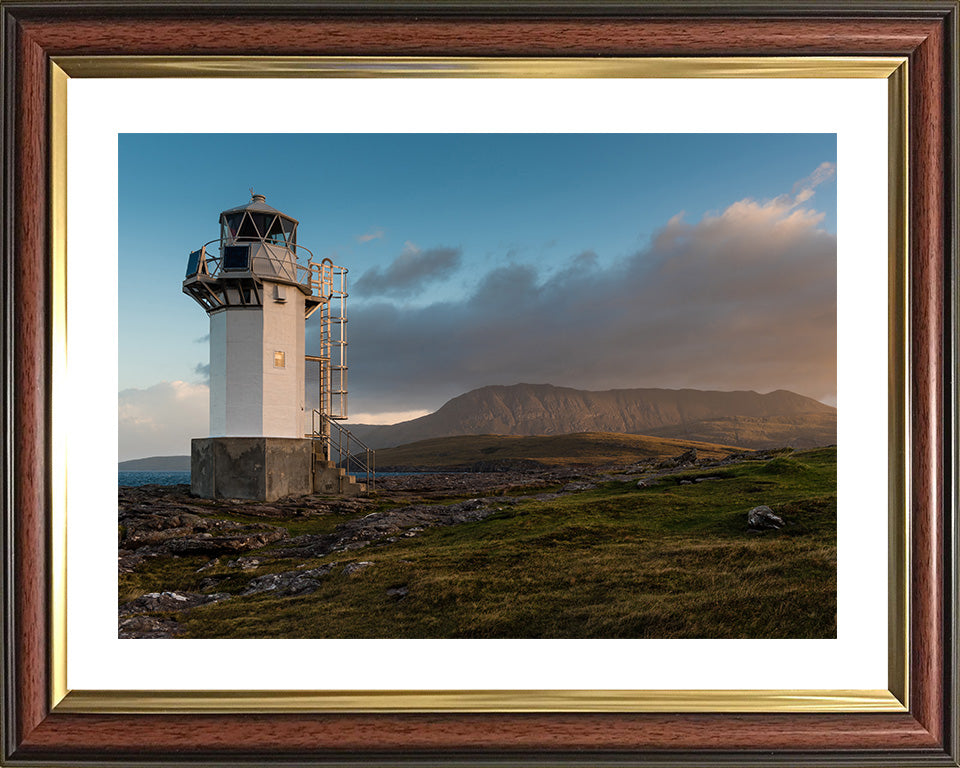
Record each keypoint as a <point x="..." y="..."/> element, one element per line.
<point x="584" y="449"/>
<point x="156" y="464"/>
<point x="800" y="431"/>
<point x="745" y="419"/>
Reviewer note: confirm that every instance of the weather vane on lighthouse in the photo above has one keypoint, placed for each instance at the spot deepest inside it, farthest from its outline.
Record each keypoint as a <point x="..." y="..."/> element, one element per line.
<point x="258" y="296"/>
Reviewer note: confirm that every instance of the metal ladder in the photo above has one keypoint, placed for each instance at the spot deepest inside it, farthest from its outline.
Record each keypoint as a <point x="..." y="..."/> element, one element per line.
<point x="337" y="443"/>
<point x="330" y="282"/>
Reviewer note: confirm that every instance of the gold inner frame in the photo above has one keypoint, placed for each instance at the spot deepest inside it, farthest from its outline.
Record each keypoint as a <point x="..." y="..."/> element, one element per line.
<point x="895" y="699"/>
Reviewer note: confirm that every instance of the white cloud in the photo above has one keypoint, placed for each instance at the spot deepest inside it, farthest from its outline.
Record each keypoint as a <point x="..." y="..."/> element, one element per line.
<point x="803" y="189"/>
<point x="385" y="417"/>
<point x="373" y="234"/>
<point x="160" y="420"/>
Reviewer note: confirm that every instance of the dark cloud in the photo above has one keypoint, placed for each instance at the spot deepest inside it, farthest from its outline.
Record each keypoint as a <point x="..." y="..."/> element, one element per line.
<point x="203" y="339"/>
<point x="203" y="370"/>
<point x="745" y="299"/>
<point x="409" y="272"/>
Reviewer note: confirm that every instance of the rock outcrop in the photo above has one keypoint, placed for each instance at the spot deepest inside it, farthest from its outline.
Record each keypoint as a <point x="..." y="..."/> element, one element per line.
<point x="290" y="582"/>
<point x="166" y="520"/>
<point x="158" y="521"/>
<point x="387" y="527"/>
<point x="172" y="530"/>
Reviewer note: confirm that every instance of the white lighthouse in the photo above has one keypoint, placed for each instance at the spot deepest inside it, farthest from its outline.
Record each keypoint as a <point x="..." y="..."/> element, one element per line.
<point x="264" y="442"/>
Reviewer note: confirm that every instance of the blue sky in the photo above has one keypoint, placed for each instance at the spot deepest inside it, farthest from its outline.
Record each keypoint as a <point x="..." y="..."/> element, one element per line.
<point x="457" y="241"/>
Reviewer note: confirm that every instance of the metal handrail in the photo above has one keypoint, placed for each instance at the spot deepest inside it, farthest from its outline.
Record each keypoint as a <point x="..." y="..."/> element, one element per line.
<point x="213" y="261"/>
<point x="366" y="465"/>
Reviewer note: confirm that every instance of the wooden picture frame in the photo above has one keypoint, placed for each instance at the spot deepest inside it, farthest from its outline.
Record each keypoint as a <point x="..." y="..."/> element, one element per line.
<point x="38" y="731"/>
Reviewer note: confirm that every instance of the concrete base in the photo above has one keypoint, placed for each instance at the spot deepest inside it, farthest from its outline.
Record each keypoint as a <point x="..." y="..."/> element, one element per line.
<point x="262" y="468"/>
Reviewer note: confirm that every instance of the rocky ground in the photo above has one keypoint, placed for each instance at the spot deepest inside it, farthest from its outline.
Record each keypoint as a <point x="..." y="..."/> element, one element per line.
<point x="238" y="547"/>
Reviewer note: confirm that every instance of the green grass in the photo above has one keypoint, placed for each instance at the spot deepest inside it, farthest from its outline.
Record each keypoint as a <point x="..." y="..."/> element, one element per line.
<point x="159" y="574"/>
<point x="584" y="449"/>
<point x="669" y="560"/>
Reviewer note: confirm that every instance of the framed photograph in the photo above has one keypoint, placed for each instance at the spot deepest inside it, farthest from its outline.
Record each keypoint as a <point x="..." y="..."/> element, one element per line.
<point x="121" y="124"/>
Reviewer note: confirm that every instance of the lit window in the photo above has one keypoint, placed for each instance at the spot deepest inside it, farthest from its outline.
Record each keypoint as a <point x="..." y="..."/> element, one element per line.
<point x="279" y="360"/>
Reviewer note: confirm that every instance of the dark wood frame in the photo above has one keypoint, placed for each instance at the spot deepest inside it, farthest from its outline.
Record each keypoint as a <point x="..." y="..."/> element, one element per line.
<point x="926" y="32"/>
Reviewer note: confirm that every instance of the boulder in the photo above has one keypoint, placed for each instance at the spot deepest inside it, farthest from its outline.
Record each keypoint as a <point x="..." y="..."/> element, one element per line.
<point x="680" y="460"/>
<point x="289" y="582"/>
<point x="763" y="518"/>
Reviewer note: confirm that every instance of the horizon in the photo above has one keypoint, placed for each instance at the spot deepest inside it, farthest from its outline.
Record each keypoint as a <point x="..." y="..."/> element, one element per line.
<point x="594" y="262"/>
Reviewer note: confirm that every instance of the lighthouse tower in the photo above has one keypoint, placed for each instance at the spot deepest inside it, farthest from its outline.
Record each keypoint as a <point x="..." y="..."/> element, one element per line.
<point x="263" y="443"/>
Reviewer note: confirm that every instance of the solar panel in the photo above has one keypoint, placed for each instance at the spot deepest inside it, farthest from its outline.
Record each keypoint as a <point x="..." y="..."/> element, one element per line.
<point x="236" y="257"/>
<point x="193" y="263"/>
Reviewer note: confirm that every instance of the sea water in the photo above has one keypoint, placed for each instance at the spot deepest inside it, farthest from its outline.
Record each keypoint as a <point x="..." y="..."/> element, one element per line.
<point x="153" y="477"/>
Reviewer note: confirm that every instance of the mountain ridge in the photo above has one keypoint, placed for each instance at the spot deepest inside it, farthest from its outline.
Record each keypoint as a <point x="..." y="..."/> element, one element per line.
<point x="756" y="420"/>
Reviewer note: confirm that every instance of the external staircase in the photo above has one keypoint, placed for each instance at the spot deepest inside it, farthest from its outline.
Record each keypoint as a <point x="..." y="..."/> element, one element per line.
<point x="339" y="458"/>
<point x="332" y="480"/>
<point x="337" y="452"/>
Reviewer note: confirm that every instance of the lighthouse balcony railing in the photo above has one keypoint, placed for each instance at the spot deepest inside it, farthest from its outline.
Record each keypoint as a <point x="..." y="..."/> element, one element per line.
<point x="214" y="264"/>
<point x="344" y="448"/>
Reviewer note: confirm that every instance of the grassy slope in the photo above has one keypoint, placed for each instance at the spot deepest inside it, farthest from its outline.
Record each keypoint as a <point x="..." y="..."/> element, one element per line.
<point x="670" y="560"/>
<point x="800" y="430"/>
<point x="584" y="448"/>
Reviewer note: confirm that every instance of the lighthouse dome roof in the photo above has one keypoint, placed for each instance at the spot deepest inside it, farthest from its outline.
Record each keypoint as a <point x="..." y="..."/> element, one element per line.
<point x="257" y="204"/>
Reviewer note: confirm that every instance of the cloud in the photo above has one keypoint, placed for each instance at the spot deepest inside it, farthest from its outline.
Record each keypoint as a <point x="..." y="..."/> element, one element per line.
<point x="203" y="339"/>
<point x="203" y="370"/>
<point x="742" y="299"/>
<point x="803" y="189"/>
<point x="160" y="420"/>
<point x="386" y="417"/>
<point x="373" y="234"/>
<point x="409" y="272"/>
